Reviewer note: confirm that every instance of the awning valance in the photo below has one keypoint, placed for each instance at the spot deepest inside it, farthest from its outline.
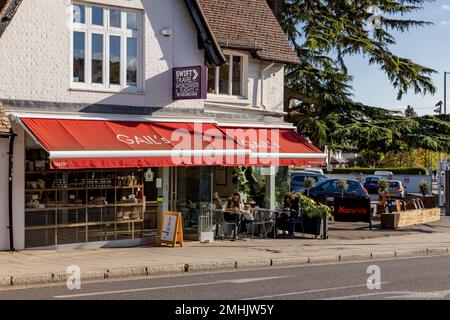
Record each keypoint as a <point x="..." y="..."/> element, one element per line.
<point x="84" y="144"/>
<point x="87" y="144"/>
<point x="275" y="147"/>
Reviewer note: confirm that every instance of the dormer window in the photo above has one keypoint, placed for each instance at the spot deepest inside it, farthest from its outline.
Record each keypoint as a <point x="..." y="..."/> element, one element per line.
<point x="106" y="48"/>
<point x="229" y="80"/>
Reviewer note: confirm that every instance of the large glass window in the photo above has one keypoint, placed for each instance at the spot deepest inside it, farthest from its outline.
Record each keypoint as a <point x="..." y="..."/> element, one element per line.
<point x="114" y="59"/>
<point x="66" y="207"/>
<point x="79" y="54"/>
<point x="132" y="47"/>
<point x="97" y="58"/>
<point x="79" y="13"/>
<point x="106" y="48"/>
<point x="228" y="79"/>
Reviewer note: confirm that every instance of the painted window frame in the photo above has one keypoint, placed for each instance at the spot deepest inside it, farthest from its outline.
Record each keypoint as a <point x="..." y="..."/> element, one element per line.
<point x="244" y="78"/>
<point x="107" y="31"/>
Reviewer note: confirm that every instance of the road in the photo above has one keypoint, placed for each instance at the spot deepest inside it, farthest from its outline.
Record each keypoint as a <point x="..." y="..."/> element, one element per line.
<point x="418" y="278"/>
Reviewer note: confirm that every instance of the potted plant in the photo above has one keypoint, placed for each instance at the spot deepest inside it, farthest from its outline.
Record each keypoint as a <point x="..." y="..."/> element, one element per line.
<point x="424" y="188"/>
<point x="383" y="190"/>
<point x="313" y="213"/>
<point x="342" y="186"/>
<point x="309" y="183"/>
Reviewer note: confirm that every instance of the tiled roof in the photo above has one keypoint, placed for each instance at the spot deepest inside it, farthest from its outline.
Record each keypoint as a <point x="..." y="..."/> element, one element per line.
<point x="8" y="9"/>
<point x="248" y="25"/>
<point x="2" y="4"/>
<point x="5" y="125"/>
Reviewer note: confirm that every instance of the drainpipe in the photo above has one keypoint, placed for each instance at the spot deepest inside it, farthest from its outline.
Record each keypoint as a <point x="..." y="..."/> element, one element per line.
<point x="11" y="137"/>
<point x="263" y="75"/>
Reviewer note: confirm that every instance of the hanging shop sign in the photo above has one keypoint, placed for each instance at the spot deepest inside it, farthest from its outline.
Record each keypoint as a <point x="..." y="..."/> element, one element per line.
<point x="189" y="83"/>
<point x="171" y="229"/>
<point x="352" y="210"/>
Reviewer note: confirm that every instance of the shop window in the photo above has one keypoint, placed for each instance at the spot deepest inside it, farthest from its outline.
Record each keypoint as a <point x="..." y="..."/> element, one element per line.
<point x="106" y="49"/>
<point x="228" y="80"/>
<point x="79" y="206"/>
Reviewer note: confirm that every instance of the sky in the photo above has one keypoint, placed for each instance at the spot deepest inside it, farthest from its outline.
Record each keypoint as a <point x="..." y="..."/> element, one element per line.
<point x="429" y="46"/>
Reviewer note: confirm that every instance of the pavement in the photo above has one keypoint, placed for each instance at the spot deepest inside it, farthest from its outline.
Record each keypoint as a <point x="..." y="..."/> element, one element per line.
<point x="399" y="279"/>
<point x="348" y="242"/>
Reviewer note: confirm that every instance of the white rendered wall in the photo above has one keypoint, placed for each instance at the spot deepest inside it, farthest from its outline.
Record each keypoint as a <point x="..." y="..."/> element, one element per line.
<point x="4" y="232"/>
<point x="35" y="58"/>
<point x="19" y="188"/>
<point x="35" y="54"/>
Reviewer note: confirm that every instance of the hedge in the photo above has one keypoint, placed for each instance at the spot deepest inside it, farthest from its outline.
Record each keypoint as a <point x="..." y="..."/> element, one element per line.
<point x="396" y="171"/>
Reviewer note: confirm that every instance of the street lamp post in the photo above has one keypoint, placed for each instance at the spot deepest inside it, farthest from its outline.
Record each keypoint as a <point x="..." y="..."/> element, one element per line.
<point x="445" y="165"/>
<point x="439" y="168"/>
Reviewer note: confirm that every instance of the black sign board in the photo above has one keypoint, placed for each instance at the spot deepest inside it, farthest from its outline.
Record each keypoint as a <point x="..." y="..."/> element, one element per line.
<point x="352" y="210"/>
<point x="189" y="83"/>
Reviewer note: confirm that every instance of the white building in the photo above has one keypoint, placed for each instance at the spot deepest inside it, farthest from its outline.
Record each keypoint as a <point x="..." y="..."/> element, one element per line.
<point x="70" y="70"/>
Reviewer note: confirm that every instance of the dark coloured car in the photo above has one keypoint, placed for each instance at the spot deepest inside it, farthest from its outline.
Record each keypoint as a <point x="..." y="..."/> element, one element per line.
<point x="325" y="191"/>
<point x="372" y="184"/>
<point x="298" y="180"/>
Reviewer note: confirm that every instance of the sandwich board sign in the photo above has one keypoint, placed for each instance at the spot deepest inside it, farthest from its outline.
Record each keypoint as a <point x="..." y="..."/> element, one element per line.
<point x="171" y="229"/>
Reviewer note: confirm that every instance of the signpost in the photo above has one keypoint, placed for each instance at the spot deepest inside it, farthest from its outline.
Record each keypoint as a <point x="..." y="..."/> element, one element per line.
<point x="352" y="210"/>
<point x="172" y="229"/>
<point x="189" y="83"/>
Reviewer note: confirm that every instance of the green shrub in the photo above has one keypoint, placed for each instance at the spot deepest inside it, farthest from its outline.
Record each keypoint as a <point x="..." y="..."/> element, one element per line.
<point x="314" y="209"/>
<point x="370" y="171"/>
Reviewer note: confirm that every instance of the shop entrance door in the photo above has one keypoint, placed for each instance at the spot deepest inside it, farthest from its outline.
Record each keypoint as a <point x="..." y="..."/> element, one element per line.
<point x="193" y="198"/>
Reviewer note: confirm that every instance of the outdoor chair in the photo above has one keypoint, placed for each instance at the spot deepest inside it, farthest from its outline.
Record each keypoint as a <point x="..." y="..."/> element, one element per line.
<point x="261" y="219"/>
<point x="298" y="221"/>
<point x="222" y="225"/>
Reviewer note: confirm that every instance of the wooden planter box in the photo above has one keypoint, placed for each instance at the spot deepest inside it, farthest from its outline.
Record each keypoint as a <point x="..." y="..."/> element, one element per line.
<point x="409" y="218"/>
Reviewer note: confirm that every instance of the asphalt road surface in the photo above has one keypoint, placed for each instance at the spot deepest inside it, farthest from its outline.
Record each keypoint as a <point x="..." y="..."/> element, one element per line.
<point x="418" y="278"/>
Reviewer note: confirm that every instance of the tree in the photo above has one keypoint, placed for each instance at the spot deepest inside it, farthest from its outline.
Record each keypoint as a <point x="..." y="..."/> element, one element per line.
<point x="324" y="33"/>
<point x="410" y="112"/>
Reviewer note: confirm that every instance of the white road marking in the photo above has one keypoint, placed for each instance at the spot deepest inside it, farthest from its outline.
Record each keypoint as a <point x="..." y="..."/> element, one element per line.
<point x="308" y="291"/>
<point x="102" y="293"/>
<point x="241" y="281"/>
<point x="400" y="295"/>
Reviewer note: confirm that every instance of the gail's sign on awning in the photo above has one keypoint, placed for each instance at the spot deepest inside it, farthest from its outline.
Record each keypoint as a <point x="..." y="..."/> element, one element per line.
<point x="189" y="83"/>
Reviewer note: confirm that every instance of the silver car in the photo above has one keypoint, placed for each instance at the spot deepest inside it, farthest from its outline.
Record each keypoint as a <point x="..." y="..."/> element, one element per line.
<point x="396" y="189"/>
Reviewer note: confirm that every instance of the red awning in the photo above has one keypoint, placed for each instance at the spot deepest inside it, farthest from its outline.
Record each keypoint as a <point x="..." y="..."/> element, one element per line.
<point x="85" y="144"/>
<point x="275" y="147"/>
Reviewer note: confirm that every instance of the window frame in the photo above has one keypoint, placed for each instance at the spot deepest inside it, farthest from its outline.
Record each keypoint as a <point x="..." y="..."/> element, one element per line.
<point x="244" y="77"/>
<point x="107" y="31"/>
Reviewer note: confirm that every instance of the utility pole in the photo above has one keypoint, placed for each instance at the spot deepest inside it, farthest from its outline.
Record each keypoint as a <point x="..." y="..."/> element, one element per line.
<point x="439" y="168"/>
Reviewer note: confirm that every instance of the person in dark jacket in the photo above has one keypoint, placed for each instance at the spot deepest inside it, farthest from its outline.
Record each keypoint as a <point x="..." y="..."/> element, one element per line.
<point x="283" y="218"/>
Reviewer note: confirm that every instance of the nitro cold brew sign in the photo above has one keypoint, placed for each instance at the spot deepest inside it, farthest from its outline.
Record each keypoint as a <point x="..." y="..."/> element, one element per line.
<point x="189" y="83"/>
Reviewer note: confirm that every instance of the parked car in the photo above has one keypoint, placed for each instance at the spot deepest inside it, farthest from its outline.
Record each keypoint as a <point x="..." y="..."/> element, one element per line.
<point x="396" y="189"/>
<point x="314" y="170"/>
<point x="371" y="184"/>
<point x="384" y="174"/>
<point x="298" y="180"/>
<point x="325" y="191"/>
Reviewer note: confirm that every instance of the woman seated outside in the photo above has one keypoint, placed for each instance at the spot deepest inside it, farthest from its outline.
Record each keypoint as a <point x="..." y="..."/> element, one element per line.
<point x="233" y="208"/>
<point x="247" y="218"/>
<point x="290" y="214"/>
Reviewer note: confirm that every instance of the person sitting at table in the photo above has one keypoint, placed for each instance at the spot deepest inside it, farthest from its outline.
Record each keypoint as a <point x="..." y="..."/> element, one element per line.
<point x="294" y="216"/>
<point x="233" y="207"/>
<point x="283" y="218"/>
<point x="218" y="202"/>
<point x="247" y="218"/>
